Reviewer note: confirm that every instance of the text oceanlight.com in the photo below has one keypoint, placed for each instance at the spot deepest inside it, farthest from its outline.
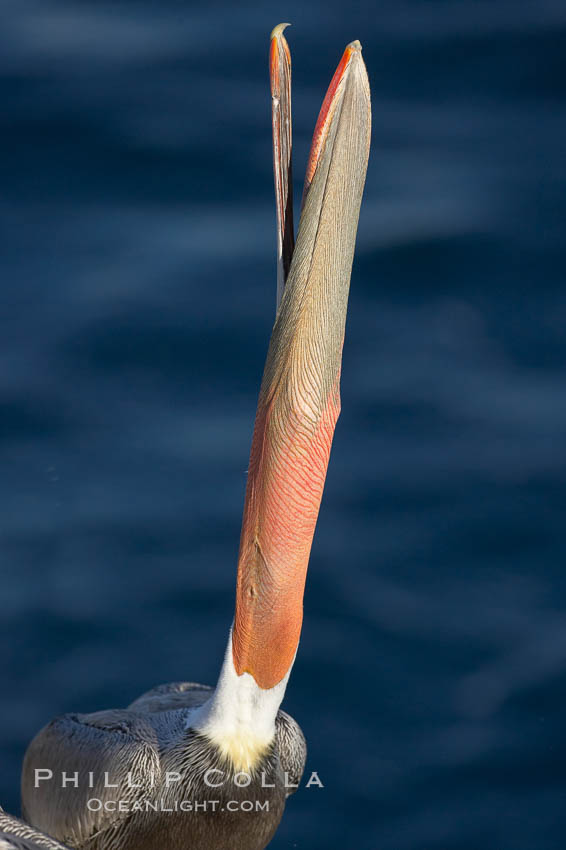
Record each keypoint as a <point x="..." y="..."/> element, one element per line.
<point x="127" y="806"/>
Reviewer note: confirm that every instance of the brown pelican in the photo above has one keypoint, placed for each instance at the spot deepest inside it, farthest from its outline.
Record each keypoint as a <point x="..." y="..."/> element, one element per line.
<point x="181" y="766"/>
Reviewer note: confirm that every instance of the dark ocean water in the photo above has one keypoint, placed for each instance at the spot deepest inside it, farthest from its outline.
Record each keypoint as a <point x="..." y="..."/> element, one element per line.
<point x="138" y="284"/>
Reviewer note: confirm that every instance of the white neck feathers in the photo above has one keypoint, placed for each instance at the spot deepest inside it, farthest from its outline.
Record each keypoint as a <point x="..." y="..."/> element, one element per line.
<point x="239" y="718"/>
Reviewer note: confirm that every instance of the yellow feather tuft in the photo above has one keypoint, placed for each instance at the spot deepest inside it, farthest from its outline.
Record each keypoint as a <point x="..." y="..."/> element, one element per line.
<point x="243" y="749"/>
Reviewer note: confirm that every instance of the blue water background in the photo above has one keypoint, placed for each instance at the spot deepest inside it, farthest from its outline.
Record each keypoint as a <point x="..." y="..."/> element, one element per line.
<point x="137" y="296"/>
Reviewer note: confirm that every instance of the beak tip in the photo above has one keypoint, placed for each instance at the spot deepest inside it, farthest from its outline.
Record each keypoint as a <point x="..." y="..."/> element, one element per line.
<point x="355" y="46"/>
<point x="277" y="31"/>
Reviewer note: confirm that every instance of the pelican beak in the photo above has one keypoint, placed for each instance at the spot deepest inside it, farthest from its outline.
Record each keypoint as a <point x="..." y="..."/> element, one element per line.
<point x="280" y="76"/>
<point x="299" y="400"/>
